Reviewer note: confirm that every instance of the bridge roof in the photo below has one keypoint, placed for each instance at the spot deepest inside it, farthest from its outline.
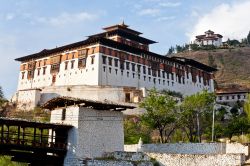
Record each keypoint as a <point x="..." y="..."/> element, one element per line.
<point x="58" y="102"/>
<point x="29" y="123"/>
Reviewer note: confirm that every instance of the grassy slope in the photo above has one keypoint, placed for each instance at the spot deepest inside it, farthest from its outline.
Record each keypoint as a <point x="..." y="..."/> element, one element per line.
<point x="233" y="64"/>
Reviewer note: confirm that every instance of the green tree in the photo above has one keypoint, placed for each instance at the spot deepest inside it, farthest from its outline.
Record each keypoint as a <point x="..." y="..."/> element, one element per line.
<point x="196" y="114"/>
<point x="160" y="112"/>
<point x="247" y="107"/>
<point x="134" y="129"/>
<point x="170" y="50"/>
<point x="194" y="47"/>
<point x="178" y="48"/>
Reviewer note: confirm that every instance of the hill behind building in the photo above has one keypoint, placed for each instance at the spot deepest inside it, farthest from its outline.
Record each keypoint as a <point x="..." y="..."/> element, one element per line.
<point x="233" y="64"/>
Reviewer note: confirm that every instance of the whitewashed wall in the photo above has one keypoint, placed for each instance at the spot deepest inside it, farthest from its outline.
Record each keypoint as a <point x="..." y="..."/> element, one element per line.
<point x="94" y="133"/>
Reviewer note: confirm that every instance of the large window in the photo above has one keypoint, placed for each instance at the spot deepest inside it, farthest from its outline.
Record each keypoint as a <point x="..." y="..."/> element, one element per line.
<point x="55" y="68"/>
<point x="30" y="74"/>
<point x="82" y="62"/>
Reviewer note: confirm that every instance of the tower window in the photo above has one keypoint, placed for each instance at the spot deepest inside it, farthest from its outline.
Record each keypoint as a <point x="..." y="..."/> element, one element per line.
<point x="92" y="60"/>
<point x="72" y="64"/>
<point x="66" y="65"/>
<point x="104" y="58"/>
<point x="23" y="75"/>
<point x="116" y="62"/>
<point x="110" y="61"/>
<point x="127" y="65"/>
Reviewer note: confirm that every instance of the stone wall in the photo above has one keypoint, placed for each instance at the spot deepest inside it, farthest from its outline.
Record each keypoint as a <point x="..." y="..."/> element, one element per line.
<point x="191" y="148"/>
<point x="181" y="148"/>
<point x="237" y="148"/>
<point x="116" y="163"/>
<point x="198" y="159"/>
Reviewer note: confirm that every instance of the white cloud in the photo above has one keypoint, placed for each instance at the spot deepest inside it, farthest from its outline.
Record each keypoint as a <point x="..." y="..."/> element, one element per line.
<point x="231" y="21"/>
<point x="170" y="4"/>
<point x="9" y="16"/>
<point x="151" y="12"/>
<point x="165" y="18"/>
<point x="66" y="18"/>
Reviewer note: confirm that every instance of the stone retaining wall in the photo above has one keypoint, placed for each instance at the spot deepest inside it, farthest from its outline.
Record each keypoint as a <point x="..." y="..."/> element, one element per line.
<point x="190" y="148"/>
<point x="198" y="159"/>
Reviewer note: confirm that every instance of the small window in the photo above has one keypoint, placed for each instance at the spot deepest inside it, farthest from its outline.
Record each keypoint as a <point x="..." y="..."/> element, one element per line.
<point x="149" y="71"/>
<point x="144" y="69"/>
<point x="127" y="65"/>
<point x="63" y="113"/>
<point x="110" y="61"/>
<point x="38" y="71"/>
<point x="116" y="62"/>
<point x="72" y="64"/>
<point x="133" y="67"/>
<point x="127" y="74"/>
<point x="127" y="97"/>
<point x="159" y="73"/>
<point x="121" y="65"/>
<point x="44" y="70"/>
<point x="73" y="55"/>
<point x="66" y="65"/>
<point x="92" y="60"/>
<point x="104" y="69"/>
<point x="104" y="59"/>
<point x="163" y="74"/>
<point x="23" y="75"/>
<point x="110" y="70"/>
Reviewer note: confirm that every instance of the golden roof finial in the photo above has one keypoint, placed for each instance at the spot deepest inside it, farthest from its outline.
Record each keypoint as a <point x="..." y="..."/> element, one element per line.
<point x="123" y="23"/>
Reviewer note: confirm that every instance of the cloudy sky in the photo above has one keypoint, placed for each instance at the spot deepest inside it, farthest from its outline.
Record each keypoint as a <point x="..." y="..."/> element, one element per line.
<point x="28" y="26"/>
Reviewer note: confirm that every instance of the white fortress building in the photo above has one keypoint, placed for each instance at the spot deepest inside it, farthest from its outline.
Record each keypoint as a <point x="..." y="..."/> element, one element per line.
<point x="209" y="38"/>
<point x="114" y="65"/>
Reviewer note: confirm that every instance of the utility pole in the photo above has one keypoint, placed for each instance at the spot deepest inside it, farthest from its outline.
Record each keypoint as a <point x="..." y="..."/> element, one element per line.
<point x="213" y="125"/>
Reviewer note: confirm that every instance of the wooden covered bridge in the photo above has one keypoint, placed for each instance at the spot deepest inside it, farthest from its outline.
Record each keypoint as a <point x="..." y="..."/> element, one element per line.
<point x="32" y="142"/>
